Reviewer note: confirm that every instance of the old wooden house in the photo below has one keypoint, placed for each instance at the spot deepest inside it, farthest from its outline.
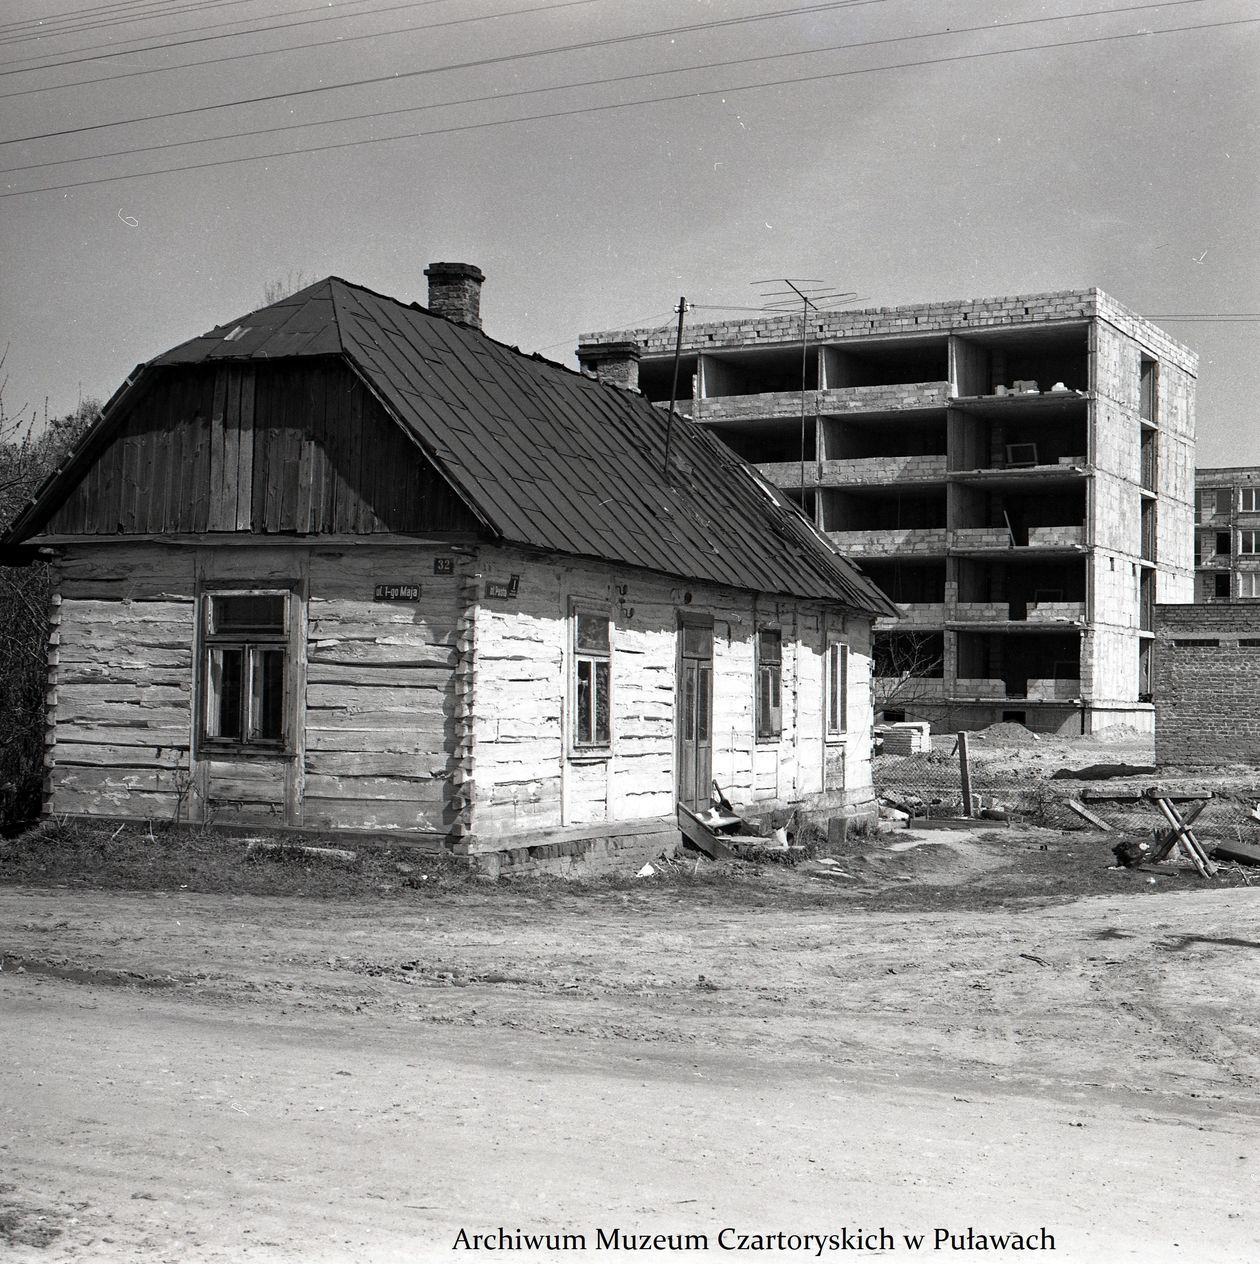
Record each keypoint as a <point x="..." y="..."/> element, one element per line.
<point x="349" y="564"/>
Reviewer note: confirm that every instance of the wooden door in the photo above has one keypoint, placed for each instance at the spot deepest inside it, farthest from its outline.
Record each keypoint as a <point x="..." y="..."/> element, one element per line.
<point x="694" y="708"/>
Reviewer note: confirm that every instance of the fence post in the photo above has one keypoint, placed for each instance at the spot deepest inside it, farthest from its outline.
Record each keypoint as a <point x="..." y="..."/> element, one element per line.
<point x="964" y="766"/>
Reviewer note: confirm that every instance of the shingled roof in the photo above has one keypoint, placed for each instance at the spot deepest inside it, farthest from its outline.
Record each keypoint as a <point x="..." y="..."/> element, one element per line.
<point x="544" y="457"/>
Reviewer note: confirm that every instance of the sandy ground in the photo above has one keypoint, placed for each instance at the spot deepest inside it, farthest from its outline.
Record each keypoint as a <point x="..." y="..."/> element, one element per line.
<point x="210" y="1078"/>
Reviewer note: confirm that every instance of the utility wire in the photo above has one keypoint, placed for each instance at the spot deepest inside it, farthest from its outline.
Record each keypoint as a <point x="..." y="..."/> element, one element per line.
<point x="105" y="21"/>
<point x="292" y="48"/>
<point x="163" y="46"/>
<point x="695" y="94"/>
<point x="40" y="27"/>
<point x="466" y="65"/>
<point x="524" y="92"/>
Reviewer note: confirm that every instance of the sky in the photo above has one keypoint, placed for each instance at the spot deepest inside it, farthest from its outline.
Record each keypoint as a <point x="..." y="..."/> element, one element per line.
<point x="598" y="159"/>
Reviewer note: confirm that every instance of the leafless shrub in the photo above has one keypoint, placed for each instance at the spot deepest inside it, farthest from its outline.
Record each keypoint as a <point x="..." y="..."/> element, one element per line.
<point x="28" y="453"/>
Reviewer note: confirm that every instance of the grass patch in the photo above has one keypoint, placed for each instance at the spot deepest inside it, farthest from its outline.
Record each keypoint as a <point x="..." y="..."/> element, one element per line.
<point x="72" y="853"/>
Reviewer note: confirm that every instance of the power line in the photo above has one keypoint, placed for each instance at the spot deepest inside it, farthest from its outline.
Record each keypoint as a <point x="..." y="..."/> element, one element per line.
<point x="123" y="19"/>
<point x="40" y="27"/>
<point x="214" y="26"/>
<point x="467" y="65"/>
<point x="621" y="105"/>
<point x="293" y="48"/>
<point x="523" y="92"/>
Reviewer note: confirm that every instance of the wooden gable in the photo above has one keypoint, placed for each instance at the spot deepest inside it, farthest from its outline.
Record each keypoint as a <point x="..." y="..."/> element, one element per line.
<point x="300" y="446"/>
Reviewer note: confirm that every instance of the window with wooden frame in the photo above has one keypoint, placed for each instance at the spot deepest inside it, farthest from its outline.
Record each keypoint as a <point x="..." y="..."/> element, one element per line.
<point x="592" y="682"/>
<point x="1249" y="542"/>
<point x="837" y="688"/>
<point x="1248" y="584"/>
<point x="769" y="684"/>
<point x="246" y="669"/>
<point x="1249" y="500"/>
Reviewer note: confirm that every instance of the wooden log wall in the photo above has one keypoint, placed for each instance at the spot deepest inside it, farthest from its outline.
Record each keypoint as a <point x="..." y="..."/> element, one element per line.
<point x="374" y="690"/>
<point x="295" y="447"/>
<point x="527" y="777"/>
<point x="381" y="739"/>
<point x="122" y="705"/>
<point x="443" y="717"/>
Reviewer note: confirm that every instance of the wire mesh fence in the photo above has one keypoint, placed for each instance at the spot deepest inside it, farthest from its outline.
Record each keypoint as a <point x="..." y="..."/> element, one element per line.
<point x="930" y="785"/>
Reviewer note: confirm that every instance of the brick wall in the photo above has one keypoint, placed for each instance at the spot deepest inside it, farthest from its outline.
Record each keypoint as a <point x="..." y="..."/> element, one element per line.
<point x="1207" y="700"/>
<point x="957" y="316"/>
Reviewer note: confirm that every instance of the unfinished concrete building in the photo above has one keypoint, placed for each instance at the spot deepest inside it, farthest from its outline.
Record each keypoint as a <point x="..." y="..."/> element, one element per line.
<point x="1227" y="534"/>
<point x="1016" y="473"/>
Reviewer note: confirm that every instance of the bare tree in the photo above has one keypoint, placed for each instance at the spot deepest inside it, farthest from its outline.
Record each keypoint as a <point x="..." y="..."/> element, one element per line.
<point x="281" y="287"/>
<point x="908" y="670"/>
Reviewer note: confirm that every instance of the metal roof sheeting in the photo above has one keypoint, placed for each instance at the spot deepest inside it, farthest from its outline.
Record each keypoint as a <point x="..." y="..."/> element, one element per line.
<point x="550" y="458"/>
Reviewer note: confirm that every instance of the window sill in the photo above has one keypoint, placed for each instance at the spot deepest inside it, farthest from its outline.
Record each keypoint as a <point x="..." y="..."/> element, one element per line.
<point x="583" y="756"/>
<point x="209" y="747"/>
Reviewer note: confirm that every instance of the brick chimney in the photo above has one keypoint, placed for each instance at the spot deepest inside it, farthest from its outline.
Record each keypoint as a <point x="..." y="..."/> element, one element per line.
<point x="455" y="292"/>
<point x="616" y="363"/>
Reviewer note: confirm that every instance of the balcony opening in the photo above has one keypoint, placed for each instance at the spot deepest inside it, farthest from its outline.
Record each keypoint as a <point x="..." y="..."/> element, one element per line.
<point x="911" y="435"/>
<point x="909" y="583"/>
<point x="1014" y="360"/>
<point x="759" y="371"/>
<point x="884" y="363"/>
<point x="1029" y="516"/>
<point x="772" y="443"/>
<point x="881" y="509"/>
<point x="1036" y="666"/>
<point x="907" y="673"/>
<point x="1037" y="590"/>
<point x="1014" y="437"/>
<point x="657" y="376"/>
<point x="808" y="505"/>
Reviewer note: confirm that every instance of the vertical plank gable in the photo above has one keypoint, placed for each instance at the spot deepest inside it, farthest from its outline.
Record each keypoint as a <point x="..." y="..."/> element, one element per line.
<point x="295" y="447"/>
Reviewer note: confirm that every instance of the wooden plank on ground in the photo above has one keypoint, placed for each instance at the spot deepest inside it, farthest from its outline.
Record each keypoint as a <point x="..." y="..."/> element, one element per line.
<point x="1085" y="814"/>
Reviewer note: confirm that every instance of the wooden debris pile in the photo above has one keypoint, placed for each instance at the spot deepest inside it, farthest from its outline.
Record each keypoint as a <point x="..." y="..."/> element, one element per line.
<point x="722" y="834"/>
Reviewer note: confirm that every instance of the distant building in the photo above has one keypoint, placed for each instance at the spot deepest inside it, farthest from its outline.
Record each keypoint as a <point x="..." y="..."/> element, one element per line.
<point x="1017" y="473"/>
<point x="1207" y="664"/>
<point x="1227" y="534"/>
<point x="345" y="563"/>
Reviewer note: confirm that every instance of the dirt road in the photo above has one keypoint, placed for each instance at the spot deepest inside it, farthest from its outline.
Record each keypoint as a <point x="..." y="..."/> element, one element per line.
<point x="209" y="1078"/>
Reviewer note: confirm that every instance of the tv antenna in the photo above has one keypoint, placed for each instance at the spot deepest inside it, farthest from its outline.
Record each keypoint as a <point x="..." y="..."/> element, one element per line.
<point x="807" y="294"/>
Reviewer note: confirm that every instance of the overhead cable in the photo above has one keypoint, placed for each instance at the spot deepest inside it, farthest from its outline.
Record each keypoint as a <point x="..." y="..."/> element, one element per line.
<point x="694" y="94"/>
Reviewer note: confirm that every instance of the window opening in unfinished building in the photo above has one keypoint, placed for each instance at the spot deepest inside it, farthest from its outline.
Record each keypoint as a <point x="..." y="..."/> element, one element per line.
<point x="1222" y="585"/>
<point x="1148" y="389"/>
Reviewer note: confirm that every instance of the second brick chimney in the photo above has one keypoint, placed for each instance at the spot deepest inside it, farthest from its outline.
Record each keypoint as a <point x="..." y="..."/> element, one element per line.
<point x="616" y="363"/>
<point x="455" y="292"/>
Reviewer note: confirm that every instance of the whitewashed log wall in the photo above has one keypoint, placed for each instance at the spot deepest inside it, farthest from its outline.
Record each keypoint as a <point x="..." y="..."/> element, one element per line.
<point x="443" y="718"/>
<point x="526" y="778"/>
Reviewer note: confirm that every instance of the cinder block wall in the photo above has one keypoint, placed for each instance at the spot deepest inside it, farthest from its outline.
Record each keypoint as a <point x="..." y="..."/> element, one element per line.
<point x="1207" y="684"/>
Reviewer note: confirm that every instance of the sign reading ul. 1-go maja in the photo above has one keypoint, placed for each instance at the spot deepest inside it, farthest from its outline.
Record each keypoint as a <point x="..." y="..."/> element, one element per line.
<point x="396" y="592"/>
